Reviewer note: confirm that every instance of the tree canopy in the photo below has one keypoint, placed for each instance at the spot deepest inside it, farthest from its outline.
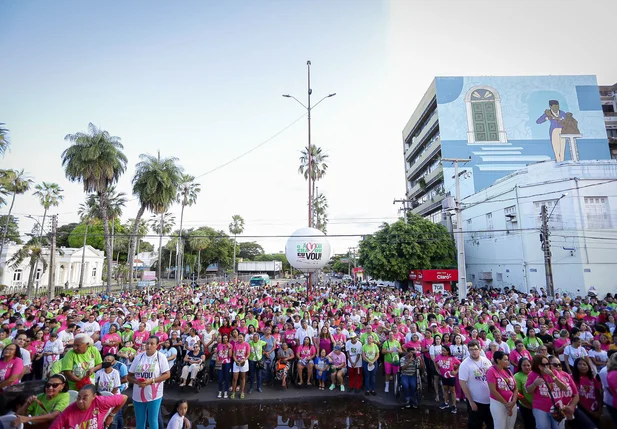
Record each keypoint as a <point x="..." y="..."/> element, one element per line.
<point x="12" y="232"/>
<point x="397" y="248"/>
<point x="250" y="250"/>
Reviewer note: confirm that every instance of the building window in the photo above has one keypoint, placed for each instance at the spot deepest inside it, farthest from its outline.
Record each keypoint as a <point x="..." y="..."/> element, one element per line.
<point x="484" y="120"/>
<point x="499" y="277"/>
<point x="94" y="272"/>
<point x="511" y="220"/>
<point x="489" y="225"/>
<point x="17" y="275"/>
<point x="611" y="132"/>
<point x="608" y="108"/>
<point x="596" y="212"/>
<point x="555" y="221"/>
<point x="613" y="153"/>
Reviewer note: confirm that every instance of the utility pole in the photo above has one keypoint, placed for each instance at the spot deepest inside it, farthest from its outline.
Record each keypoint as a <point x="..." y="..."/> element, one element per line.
<point x="460" y="242"/>
<point x="405" y="208"/>
<point x="546" y="247"/>
<point x="52" y="257"/>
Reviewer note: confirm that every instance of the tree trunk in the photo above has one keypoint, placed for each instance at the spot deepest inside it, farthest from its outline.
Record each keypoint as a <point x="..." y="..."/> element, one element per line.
<point x="140" y="213"/>
<point x="161" y="247"/>
<point x="113" y="236"/>
<point x="180" y="253"/>
<point x="6" y="225"/>
<point x="234" y="263"/>
<point x="83" y="258"/>
<point x="109" y="251"/>
<point x="36" y="265"/>
<point x="198" y="264"/>
<point x="30" y="279"/>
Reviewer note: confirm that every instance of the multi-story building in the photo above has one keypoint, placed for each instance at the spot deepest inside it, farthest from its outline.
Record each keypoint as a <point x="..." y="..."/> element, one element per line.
<point x="608" y="96"/>
<point x="502" y="223"/>
<point x="501" y="124"/>
<point x="422" y="148"/>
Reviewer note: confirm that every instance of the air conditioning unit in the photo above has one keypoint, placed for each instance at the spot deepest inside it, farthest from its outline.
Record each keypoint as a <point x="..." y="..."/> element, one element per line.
<point x="448" y="203"/>
<point x="486" y="275"/>
<point x="511" y="218"/>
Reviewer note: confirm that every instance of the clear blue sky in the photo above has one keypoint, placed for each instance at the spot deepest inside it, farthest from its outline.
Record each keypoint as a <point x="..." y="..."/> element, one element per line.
<point x="202" y="81"/>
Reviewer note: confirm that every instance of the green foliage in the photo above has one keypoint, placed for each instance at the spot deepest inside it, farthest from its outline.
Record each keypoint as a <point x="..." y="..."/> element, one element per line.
<point x="4" y="141"/>
<point x="396" y="248"/>
<point x="145" y="246"/>
<point x="337" y="266"/>
<point x="250" y="250"/>
<point x="62" y="234"/>
<point x="12" y="232"/>
<point x="96" y="236"/>
<point x="156" y="182"/>
<point x="219" y="248"/>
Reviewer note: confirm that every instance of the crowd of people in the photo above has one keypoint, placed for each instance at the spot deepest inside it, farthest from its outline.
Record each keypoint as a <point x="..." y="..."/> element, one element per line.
<point x="506" y="354"/>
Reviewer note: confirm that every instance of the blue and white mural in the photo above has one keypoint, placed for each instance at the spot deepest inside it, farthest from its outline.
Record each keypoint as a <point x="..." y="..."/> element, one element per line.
<point x="506" y="123"/>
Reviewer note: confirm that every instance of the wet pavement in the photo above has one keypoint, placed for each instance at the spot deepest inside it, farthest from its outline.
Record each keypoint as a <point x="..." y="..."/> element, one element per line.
<point x="334" y="412"/>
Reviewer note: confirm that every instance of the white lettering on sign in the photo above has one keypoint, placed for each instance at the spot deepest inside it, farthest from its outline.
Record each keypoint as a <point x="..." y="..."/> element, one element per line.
<point x="444" y="276"/>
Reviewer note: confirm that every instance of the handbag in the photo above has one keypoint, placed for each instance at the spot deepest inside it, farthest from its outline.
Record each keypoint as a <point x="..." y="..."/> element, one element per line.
<point x="557" y="414"/>
<point x="280" y="366"/>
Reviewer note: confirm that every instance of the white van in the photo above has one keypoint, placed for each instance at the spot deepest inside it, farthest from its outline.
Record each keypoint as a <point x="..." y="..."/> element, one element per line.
<point x="260" y="280"/>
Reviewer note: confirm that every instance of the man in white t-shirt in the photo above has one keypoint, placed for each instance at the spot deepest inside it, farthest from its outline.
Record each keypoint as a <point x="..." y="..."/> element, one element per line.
<point x="91" y="327"/>
<point x="20" y="340"/>
<point x="353" y="347"/>
<point x="472" y="377"/>
<point x="575" y="351"/>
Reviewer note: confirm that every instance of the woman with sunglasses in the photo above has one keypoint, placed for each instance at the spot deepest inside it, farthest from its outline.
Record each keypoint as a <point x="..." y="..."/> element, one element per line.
<point x="552" y="391"/>
<point x="45" y="407"/>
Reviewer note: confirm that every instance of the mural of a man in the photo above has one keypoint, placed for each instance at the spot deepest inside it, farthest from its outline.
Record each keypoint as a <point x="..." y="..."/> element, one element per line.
<point x="555" y="116"/>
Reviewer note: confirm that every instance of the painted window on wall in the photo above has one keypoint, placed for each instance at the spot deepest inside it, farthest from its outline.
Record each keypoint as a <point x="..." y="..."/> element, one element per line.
<point x="484" y="115"/>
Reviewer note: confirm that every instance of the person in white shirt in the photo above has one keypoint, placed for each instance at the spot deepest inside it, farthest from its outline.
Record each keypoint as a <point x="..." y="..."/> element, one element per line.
<point x="107" y="379"/>
<point x="573" y="352"/>
<point x="179" y="420"/>
<point x="20" y="340"/>
<point x="91" y="327"/>
<point x="305" y="331"/>
<point x="472" y="377"/>
<point x="353" y="347"/>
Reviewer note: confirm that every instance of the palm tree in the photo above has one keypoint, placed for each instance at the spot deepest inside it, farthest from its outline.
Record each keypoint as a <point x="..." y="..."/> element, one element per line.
<point x="4" y="141"/>
<point x="320" y="208"/>
<point x="96" y="159"/>
<point x="88" y="213"/>
<point x="319" y="164"/>
<point x="155" y="184"/>
<point x="199" y="242"/>
<point x="15" y="183"/>
<point x="116" y="201"/>
<point x="187" y="196"/>
<point x="162" y="226"/>
<point x="49" y="195"/>
<point x="236" y="227"/>
<point x="33" y="252"/>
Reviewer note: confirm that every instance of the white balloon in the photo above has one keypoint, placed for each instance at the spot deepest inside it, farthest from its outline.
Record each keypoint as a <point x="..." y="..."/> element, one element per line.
<point x="308" y="250"/>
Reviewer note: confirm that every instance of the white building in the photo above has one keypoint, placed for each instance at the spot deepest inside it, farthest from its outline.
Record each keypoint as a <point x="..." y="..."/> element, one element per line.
<point x="502" y="228"/>
<point x="68" y="268"/>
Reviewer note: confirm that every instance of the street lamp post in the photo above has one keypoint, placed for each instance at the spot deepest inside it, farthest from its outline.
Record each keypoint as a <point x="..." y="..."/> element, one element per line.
<point x="309" y="153"/>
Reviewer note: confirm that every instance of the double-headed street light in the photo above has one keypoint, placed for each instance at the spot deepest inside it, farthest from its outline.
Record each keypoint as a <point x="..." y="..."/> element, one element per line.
<point x="309" y="154"/>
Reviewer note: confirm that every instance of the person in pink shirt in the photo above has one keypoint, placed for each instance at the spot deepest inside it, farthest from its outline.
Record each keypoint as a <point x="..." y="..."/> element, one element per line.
<point x="519" y="353"/>
<point x="111" y="341"/>
<point x="590" y="395"/>
<point x="448" y="369"/>
<point x="305" y="355"/>
<point x="90" y="410"/>
<point x="561" y="343"/>
<point x="11" y="366"/>
<point x="552" y="390"/>
<point x="241" y="352"/>
<point x="503" y="392"/>
<point x="140" y="337"/>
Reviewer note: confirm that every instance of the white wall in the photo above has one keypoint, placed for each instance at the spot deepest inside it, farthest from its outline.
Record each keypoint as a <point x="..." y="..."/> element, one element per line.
<point x="581" y="256"/>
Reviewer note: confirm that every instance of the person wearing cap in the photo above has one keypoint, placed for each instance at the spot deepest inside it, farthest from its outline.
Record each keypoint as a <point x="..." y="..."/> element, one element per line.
<point x="353" y="347"/>
<point x="412" y="365"/>
<point x="338" y="368"/>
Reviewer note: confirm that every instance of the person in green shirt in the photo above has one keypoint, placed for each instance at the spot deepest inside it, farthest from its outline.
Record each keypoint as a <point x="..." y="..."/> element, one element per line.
<point x="391" y="350"/>
<point x="81" y="362"/>
<point x="255" y="361"/>
<point x="45" y="407"/>
<point x="370" y="354"/>
<point x="369" y="333"/>
<point x="525" y="401"/>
